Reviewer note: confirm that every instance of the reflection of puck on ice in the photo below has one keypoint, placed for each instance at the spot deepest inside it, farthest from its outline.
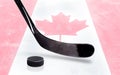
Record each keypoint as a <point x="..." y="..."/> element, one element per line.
<point x="35" y="61"/>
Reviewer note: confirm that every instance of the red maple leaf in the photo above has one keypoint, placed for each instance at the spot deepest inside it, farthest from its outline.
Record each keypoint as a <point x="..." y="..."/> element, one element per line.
<point x="60" y="25"/>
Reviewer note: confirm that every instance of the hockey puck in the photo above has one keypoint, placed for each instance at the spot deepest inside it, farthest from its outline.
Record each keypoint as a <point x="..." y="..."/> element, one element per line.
<point x="35" y="61"/>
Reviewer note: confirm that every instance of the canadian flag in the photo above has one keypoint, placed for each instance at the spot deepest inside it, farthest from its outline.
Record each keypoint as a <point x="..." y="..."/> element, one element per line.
<point x="67" y="21"/>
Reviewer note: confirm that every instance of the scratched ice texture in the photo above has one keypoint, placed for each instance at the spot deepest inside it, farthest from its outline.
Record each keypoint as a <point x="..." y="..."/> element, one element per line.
<point x="105" y="15"/>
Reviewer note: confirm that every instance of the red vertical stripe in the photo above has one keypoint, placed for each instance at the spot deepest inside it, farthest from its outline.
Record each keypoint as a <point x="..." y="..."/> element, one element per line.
<point x="106" y="17"/>
<point x="12" y="28"/>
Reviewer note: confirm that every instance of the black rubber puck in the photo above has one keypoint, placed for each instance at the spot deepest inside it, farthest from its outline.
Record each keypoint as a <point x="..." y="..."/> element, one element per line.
<point x="35" y="61"/>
